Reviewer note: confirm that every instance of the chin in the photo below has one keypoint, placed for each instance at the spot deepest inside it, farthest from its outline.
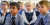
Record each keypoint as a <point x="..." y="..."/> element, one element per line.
<point x="41" y="12"/>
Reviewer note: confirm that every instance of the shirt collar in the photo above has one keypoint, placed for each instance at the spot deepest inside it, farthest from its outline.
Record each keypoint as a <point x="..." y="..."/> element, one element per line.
<point x="28" y="11"/>
<point x="14" y="16"/>
<point x="44" y="15"/>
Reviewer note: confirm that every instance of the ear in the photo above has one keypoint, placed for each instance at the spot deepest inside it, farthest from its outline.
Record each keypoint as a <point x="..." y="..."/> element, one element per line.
<point x="48" y="9"/>
<point x="18" y="10"/>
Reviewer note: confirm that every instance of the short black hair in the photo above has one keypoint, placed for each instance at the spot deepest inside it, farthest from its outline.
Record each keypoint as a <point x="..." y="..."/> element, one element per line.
<point x="15" y="4"/>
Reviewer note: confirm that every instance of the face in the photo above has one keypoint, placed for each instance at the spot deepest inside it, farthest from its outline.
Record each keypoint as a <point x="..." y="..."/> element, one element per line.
<point x="4" y="6"/>
<point x="29" y="7"/>
<point x="13" y="10"/>
<point x="21" y="6"/>
<point x="43" y="9"/>
<point x="37" y="7"/>
<point x="33" y="5"/>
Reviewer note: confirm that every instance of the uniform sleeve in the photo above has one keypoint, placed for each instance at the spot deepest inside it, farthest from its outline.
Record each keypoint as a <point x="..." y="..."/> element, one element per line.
<point x="2" y="19"/>
<point x="21" y="21"/>
<point x="7" y="21"/>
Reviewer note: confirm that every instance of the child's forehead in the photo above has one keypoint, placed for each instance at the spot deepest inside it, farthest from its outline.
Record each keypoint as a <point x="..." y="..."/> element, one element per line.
<point x="13" y="6"/>
<point x="28" y="4"/>
<point x="42" y="5"/>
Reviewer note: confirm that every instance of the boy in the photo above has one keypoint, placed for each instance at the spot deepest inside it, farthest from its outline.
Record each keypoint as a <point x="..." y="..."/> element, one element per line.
<point x="29" y="14"/>
<point x="4" y="7"/>
<point x="44" y="17"/>
<point x="4" y="13"/>
<point x="21" y="8"/>
<point x="14" y="18"/>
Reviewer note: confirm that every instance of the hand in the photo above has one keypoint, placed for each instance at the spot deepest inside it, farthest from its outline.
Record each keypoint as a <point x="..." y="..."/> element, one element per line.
<point x="4" y="13"/>
<point x="29" y="24"/>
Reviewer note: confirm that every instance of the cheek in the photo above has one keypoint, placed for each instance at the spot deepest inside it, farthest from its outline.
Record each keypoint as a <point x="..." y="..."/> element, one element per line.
<point x="21" y="7"/>
<point x="44" y="10"/>
<point x="10" y="11"/>
<point x="32" y="8"/>
<point x="15" y="10"/>
<point x="6" y="6"/>
<point x="2" y="6"/>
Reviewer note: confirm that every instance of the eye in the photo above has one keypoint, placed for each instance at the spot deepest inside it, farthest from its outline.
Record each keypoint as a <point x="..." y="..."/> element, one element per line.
<point x="39" y="7"/>
<point x="13" y="8"/>
<point x="42" y="7"/>
<point x="4" y="4"/>
<point x="29" y="6"/>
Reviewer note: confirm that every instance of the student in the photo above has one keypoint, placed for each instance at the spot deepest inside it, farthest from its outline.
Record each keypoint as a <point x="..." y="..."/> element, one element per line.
<point x="21" y="8"/>
<point x="4" y="7"/>
<point x="4" y="13"/>
<point x="29" y="15"/>
<point x="44" y="17"/>
<point x="37" y="12"/>
<point x="14" y="18"/>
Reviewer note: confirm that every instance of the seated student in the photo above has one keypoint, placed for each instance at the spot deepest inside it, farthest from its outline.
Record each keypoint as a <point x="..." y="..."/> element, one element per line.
<point x="14" y="18"/>
<point x="4" y="7"/>
<point x="29" y="15"/>
<point x="21" y="8"/>
<point x="44" y="17"/>
<point x="4" y="13"/>
<point x="37" y="12"/>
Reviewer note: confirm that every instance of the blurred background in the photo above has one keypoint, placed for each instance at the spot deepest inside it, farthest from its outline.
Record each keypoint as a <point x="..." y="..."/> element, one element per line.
<point x="33" y="1"/>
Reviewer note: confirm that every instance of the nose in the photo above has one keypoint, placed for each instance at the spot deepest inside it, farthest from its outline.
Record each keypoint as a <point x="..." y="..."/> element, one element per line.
<point x="28" y="7"/>
<point x="11" y="9"/>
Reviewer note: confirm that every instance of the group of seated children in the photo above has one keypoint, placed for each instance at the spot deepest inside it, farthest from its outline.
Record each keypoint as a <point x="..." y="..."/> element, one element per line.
<point x="15" y="13"/>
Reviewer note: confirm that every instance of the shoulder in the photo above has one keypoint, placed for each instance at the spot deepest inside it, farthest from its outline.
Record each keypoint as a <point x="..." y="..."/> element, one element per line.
<point x="48" y="15"/>
<point x="8" y="15"/>
<point x="20" y="16"/>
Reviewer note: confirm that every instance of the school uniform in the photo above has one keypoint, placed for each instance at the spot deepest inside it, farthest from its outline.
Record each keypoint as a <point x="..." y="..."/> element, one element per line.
<point x="29" y="17"/>
<point x="1" y="18"/>
<point x="37" y="13"/>
<point x="17" y="20"/>
<point x="43" y="20"/>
